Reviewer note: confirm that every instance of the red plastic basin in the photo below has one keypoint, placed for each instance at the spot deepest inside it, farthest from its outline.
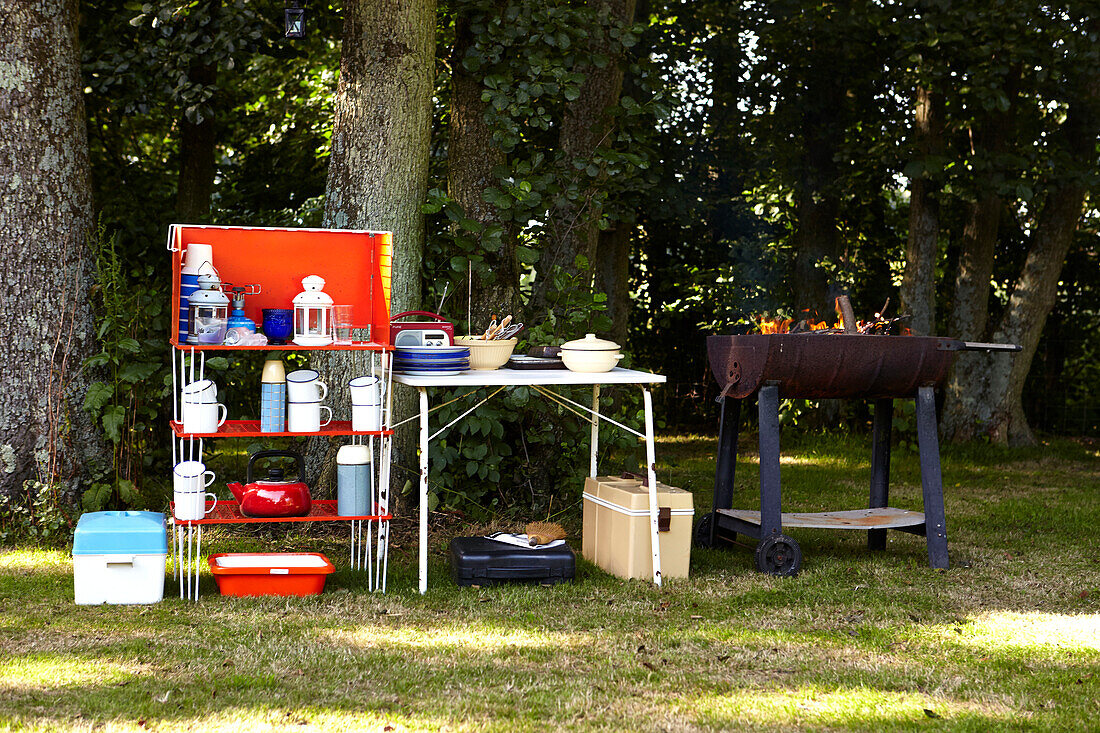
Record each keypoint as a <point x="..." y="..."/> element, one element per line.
<point x="270" y="573"/>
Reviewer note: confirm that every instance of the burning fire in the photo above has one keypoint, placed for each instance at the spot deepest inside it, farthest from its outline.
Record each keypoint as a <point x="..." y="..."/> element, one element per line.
<point x="778" y="325"/>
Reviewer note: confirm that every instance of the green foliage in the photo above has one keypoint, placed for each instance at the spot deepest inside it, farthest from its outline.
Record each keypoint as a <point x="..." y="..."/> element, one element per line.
<point x="127" y="402"/>
<point x="38" y="516"/>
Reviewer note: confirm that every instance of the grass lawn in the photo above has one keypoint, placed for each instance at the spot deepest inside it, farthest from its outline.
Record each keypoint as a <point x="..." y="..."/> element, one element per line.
<point x="1008" y="639"/>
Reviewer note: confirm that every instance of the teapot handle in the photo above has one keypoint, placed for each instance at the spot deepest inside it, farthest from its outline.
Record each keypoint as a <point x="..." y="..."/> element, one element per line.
<point x="277" y="454"/>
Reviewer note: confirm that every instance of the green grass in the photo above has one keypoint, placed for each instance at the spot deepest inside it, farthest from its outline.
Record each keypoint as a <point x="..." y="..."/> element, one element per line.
<point x="1008" y="639"/>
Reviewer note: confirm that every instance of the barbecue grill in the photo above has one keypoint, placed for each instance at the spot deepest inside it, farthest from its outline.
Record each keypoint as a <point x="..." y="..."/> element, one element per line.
<point x="828" y="366"/>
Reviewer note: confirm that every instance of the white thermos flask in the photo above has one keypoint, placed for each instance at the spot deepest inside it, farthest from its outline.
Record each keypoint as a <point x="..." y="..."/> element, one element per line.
<point x="273" y="396"/>
<point x="353" y="481"/>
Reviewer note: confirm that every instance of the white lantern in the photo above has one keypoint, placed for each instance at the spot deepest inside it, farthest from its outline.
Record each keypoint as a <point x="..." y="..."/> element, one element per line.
<point x="207" y="312"/>
<point x="312" y="314"/>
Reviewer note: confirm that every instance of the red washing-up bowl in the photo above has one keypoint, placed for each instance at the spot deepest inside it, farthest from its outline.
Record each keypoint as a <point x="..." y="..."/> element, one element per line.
<point x="270" y="573"/>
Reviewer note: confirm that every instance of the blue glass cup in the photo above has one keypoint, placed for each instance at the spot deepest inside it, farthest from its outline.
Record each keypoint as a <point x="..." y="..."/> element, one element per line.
<point x="278" y="324"/>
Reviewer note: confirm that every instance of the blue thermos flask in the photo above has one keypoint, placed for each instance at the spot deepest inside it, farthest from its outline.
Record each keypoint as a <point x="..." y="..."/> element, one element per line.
<point x="353" y="481"/>
<point x="273" y="397"/>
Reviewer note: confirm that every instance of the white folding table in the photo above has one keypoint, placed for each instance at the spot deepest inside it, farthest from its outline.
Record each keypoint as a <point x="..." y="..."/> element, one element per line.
<point x="540" y="381"/>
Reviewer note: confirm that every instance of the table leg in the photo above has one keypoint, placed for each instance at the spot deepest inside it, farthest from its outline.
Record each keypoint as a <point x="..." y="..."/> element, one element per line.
<point x="771" y="512"/>
<point x="880" y="466"/>
<point x="935" y="521"/>
<point x="651" y="466"/>
<point x="423" y="489"/>
<point x="595" y="427"/>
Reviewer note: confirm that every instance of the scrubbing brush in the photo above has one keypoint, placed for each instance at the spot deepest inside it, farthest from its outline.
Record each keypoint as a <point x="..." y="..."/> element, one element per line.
<point x="543" y="533"/>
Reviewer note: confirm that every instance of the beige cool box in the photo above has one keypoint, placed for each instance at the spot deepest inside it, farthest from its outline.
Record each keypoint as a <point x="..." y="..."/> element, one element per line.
<point x="617" y="532"/>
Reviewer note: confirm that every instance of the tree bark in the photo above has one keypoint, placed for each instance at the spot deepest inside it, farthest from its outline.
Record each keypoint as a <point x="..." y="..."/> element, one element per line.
<point x="47" y="330"/>
<point x="585" y="127"/>
<point x="918" y="285"/>
<point x="613" y="277"/>
<point x="471" y="157"/>
<point x="197" y="156"/>
<point x="378" y="170"/>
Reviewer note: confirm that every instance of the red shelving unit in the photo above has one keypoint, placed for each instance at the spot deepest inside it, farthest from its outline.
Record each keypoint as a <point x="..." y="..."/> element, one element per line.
<point x="321" y="510"/>
<point x="251" y="429"/>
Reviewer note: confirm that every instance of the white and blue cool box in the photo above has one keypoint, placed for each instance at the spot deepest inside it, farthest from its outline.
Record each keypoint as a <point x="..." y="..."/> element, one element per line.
<point x="119" y="557"/>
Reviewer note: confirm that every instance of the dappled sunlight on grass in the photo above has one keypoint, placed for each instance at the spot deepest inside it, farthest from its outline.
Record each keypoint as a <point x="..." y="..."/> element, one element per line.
<point x="864" y="707"/>
<point x="37" y="560"/>
<point x="1005" y="630"/>
<point x="473" y="637"/>
<point x="52" y="671"/>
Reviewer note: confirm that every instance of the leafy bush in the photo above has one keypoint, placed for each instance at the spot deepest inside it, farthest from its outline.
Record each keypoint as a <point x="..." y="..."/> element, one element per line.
<point x="40" y="516"/>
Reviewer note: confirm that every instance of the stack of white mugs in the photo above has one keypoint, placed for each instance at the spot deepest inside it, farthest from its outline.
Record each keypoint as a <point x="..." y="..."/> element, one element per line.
<point x="202" y="413"/>
<point x="190" y="480"/>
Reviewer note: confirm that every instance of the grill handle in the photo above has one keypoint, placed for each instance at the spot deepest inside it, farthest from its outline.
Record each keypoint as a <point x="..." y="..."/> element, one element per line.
<point x="979" y="346"/>
<point x="950" y="344"/>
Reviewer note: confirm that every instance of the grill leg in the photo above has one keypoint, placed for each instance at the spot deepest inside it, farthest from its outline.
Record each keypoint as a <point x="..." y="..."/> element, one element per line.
<point x="880" y="467"/>
<point x="771" y="517"/>
<point x="935" y="521"/>
<point x="728" y="428"/>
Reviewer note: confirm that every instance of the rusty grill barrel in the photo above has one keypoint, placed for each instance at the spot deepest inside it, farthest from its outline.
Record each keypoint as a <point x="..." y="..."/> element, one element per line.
<point x="824" y="366"/>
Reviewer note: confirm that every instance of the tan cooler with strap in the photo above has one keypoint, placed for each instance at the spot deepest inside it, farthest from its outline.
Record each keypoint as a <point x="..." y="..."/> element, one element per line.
<point x="616" y="527"/>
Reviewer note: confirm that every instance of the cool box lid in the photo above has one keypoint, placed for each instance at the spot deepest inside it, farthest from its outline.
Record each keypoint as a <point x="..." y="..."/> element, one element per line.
<point x="120" y="533"/>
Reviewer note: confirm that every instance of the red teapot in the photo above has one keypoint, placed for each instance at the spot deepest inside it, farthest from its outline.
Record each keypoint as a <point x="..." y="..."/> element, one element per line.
<point x="273" y="496"/>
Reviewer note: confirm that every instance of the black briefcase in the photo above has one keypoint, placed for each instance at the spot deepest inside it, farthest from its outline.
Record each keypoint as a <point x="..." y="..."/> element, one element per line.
<point x="482" y="561"/>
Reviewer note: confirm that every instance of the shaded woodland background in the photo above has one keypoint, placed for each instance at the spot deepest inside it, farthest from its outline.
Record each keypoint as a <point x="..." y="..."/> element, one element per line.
<point x="652" y="171"/>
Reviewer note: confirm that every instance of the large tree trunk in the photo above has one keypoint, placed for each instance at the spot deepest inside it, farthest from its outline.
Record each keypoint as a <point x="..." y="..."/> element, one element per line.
<point x="585" y="126"/>
<point x="613" y="276"/>
<point x="378" y="170"/>
<point x="47" y="328"/>
<point x="991" y="403"/>
<point x="918" y="285"/>
<point x="471" y="157"/>
<point x="197" y="157"/>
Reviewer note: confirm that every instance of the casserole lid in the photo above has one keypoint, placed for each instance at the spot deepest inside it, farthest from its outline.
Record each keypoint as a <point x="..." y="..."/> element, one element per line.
<point x="591" y="343"/>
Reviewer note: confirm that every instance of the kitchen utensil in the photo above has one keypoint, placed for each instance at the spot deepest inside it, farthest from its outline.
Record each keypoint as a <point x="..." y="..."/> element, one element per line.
<point x="366" y="390"/>
<point x="190" y="476"/>
<point x="305" y="417"/>
<point x="488" y="355"/>
<point x="590" y="354"/>
<point x="273" y="496"/>
<point x="367" y="417"/>
<point x="203" y="417"/>
<point x="519" y="361"/>
<point x="278" y="324"/>
<point x="353" y="481"/>
<point x="190" y="506"/>
<point x="343" y="321"/>
<point x="509" y="332"/>
<point x="305" y="385"/>
<point x="201" y="390"/>
<point x="543" y="533"/>
<point x="273" y="396"/>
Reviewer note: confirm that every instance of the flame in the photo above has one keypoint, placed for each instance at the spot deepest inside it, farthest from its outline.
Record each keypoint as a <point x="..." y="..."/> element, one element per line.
<point x="774" y="325"/>
<point x="819" y="326"/>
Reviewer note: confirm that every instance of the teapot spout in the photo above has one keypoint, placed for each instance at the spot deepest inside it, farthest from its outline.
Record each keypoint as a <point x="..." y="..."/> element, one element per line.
<point x="237" y="489"/>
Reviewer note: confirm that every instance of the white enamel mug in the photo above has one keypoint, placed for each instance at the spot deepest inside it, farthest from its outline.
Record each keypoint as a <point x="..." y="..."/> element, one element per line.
<point x="367" y="390"/>
<point x="189" y="479"/>
<point x="191" y="505"/>
<point x="366" y="417"/>
<point x="203" y="417"/>
<point x="202" y="390"/>
<point x="305" y="417"/>
<point x="305" y="385"/>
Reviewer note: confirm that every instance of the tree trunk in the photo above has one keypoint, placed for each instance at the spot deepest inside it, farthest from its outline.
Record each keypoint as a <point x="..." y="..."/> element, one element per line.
<point x="471" y="157"/>
<point x="378" y="170"/>
<point x="970" y="314"/>
<point x="918" y="285"/>
<point x="585" y="126"/>
<point x="993" y="399"/>
<point x="197" y="157"/>
<point x="47" y="330"/>
<point x="613" y="277"/>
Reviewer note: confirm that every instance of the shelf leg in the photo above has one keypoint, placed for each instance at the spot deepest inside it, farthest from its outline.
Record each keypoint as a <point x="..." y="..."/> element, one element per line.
<point x="651" y="467"/>
<point x="424" y="490"/>
<point x="595" y="428"/>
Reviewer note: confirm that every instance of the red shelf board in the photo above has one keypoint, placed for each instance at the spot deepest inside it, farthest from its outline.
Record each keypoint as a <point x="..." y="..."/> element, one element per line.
<point x="228" y="511"/>
<point x="251" y="429"/>
<point x="355" y="346"/>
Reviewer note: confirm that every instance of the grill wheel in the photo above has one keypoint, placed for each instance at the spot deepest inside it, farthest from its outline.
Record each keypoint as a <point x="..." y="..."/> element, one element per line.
<point x="778" y="555"/>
